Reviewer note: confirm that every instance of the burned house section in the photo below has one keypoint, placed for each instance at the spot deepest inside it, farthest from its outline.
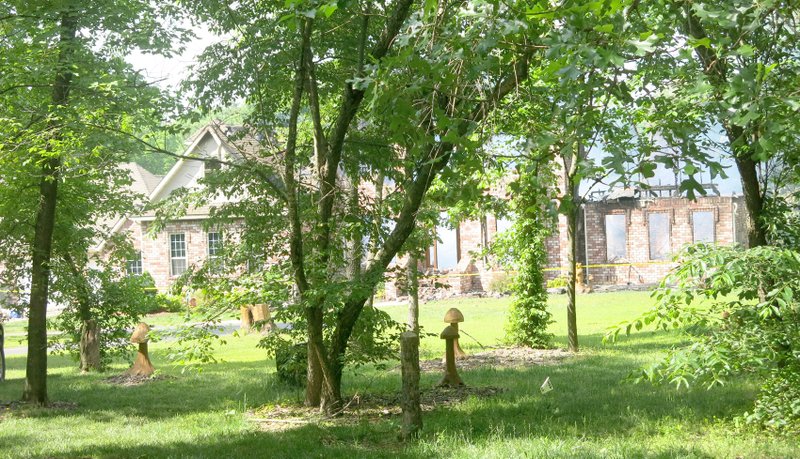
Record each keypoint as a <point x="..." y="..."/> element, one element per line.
<point x="625" y="237"/>
<point x="630" y="236"/>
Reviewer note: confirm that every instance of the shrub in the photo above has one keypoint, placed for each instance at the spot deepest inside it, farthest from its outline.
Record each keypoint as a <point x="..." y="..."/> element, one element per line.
<point x="752" y="326"/>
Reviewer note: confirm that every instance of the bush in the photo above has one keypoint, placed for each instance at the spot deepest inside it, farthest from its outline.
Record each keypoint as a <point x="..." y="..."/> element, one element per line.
<point x="291" y="364"/>
<point x="558" y="282"/>
<point x="752" y="326"/>
<point x="501" y="283"/>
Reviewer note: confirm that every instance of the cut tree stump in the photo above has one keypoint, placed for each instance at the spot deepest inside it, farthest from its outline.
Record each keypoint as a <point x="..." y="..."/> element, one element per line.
<point x="412" y="413"/>
<point x="262" y="316"/>
<point x="141" y="365"/>
<point x="247" y="318"/>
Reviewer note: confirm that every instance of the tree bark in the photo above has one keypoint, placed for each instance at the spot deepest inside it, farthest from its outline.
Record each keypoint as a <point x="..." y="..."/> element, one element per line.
<point x="2" y="353"/>
<point x="409" y="359"/>
<point x="90" y="346"/>
<point x="412" y="274"/>
<point x="35" y="389"/>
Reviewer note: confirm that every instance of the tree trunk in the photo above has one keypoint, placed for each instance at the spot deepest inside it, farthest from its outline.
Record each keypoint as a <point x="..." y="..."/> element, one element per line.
<point x="572" y="246"/>
<point x="314" y="374"/>
<point x="754" y="201"/>
<point x="90" y="346"/>
<point x="2" y="354"/>
<point x="35" y="389"/>
<point x="413" y="293"/>
<point x="409" y="359"/>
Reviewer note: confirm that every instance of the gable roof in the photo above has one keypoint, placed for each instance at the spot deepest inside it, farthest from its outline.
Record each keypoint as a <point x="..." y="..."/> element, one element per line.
<point x="144" y="181"/>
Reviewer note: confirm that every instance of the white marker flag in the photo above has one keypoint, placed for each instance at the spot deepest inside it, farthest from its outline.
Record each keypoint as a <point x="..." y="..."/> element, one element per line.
<point x="546" y="386"/>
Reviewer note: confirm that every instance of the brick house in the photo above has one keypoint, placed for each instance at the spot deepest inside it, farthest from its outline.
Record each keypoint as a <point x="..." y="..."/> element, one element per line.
<point x="626" y="237"/>
<point x="188" y="240"/>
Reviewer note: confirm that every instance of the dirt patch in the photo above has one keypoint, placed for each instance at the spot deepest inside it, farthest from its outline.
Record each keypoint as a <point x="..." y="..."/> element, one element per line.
<point x="509" y="357"/>
<point x="126" y="380"/>
<point x="361" y="408"/>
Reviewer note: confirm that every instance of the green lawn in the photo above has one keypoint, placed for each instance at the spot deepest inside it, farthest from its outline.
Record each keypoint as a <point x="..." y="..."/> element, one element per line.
<point x="589" y="414"/>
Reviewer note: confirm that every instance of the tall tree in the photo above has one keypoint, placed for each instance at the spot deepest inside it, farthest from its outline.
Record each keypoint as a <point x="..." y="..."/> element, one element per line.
<point x="68" y="104"/>
<point x="427" y="74"/>
<point x="734" y="64"/>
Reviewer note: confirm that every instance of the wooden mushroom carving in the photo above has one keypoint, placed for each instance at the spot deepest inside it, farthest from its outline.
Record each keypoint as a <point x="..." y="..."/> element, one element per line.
<point x="451" y="378"/>
<point x="453" y="317"/>
<point x="142" y="365"/>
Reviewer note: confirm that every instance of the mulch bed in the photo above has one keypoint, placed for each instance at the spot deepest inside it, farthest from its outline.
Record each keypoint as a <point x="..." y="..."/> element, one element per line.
<point x="373" y="407"/>
<point x="126" y="380"/>
<point x="360" y="408"/>
<point x="507" y="357"/>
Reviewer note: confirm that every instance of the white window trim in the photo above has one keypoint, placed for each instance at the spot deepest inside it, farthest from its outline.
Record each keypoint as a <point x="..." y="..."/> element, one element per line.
<point x="185" y="257"/>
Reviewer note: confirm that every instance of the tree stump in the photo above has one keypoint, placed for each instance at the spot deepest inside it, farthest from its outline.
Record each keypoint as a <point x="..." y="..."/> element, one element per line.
<point x="262" y="316"/>
<point x="409" y="359"/>
<point x="451" y="378"/>
<point x="90" y="346"/>
<point x="141" y="365"/>
<point x="247" y="318"/>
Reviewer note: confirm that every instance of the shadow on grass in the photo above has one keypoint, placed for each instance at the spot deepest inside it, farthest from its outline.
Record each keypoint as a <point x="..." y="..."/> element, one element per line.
<point x="589" y="401"/>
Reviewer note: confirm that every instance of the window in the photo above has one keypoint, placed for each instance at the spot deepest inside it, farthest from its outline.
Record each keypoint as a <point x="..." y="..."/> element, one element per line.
<point x="703" y="226"/>
<point x="215" y="250"/>
<point x="134" y="265"/>
<point x="659" y="235"/>
<point x="616" y="237"/>
<point x="447" y="246"/>
<point x="177" y="253"/>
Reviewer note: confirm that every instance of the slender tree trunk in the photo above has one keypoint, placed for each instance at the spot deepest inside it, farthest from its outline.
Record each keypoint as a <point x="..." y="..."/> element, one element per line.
<point x="572" y="198"/>
<point x="35" y="389"/>
<point x="754" y="201"/>
<point x="412" y="273"/>
<point x="314" y="378"/>
<point x="90" y="346"/>
<point x="572" y="245"/>
<point x="2" y="353"/>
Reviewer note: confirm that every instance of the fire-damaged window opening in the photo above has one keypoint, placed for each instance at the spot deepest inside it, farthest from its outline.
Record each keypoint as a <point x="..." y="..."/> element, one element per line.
<point x="703" y="226"/>
<point x="446" y="250"/>
<point x="658" y="230"/>
<point x="616" y="237"/>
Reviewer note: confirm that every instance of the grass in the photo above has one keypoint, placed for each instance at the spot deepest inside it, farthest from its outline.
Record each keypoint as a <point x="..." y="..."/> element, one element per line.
<point x="590" y="414"/>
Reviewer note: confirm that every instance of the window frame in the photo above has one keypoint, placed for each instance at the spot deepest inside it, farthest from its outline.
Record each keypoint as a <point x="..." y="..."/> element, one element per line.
<point x="132" y="264"/>
<point x="173" y="257"/>
<point x="212" y="258"/>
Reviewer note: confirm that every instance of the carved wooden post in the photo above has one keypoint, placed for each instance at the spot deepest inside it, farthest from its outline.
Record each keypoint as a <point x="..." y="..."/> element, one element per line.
<point x="142" y="365"/>
<point x="409" y="359"/>
<point x="453" y="317"/>
<point x="451" y="378"/>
